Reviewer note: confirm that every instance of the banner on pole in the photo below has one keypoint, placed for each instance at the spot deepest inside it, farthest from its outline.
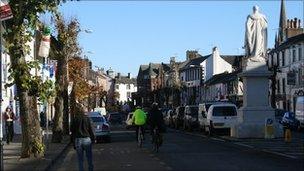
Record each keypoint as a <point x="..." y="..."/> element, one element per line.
<point x="5" y="10"/>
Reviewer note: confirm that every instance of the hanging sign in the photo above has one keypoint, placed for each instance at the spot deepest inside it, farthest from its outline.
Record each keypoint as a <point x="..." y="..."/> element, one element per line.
<point x="5" y="10"/>
<point x="45" y="43"/>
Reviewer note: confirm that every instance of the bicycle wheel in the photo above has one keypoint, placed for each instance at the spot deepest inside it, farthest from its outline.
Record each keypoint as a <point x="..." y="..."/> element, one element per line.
<point x="140" y="137"/>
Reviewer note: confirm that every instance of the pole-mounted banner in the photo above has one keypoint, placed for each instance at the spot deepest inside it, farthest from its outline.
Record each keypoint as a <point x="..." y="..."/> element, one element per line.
<point x="44" y="48"/>
<point x="5" y="10"/>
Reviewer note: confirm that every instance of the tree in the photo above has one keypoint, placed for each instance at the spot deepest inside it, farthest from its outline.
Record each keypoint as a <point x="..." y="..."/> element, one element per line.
<point x="18" y="33"/>
<point x="68" y="47"/>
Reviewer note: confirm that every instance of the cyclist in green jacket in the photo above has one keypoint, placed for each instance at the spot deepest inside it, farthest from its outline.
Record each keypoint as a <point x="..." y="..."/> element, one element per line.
<point x="139" y="118"/>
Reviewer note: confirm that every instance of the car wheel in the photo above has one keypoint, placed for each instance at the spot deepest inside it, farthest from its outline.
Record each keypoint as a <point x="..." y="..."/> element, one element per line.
<point x="108" y="139"/>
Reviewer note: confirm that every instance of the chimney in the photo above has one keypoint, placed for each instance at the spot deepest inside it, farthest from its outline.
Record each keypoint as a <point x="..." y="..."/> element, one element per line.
<point x="118" y="75"/>
<point x="288" y="23"/>
<point x="295" y="23"/>
<point x="191" y="54"/>
<point x="299" y="23"/>
<point x="129" y="75"/>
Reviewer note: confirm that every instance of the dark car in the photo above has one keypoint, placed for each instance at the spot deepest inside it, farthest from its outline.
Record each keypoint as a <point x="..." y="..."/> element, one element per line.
<point x="179" y="121"/>
<point x="115" y="118"/>
<point x="289" y="120"/>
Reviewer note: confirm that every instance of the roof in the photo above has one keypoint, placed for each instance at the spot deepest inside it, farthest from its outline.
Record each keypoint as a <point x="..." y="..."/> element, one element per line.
<point x="232" y="59"/>
<point x="290" y="41"/>
<point x="195" y="62"/>
<point x="222" y="78"/>
<point x="125" y="80"/>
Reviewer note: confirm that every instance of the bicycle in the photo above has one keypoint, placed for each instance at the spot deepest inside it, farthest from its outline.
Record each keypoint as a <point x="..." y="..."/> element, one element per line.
<point x="156" y="139"/>
<point x="140" y="137"/>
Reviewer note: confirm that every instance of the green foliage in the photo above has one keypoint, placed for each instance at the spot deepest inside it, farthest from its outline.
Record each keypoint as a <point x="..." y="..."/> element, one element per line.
<point x="20" y="31"/>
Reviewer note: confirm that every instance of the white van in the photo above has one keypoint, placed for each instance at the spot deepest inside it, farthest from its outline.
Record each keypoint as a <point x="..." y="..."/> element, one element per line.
<point x="202" y="114"/>
<point x="221" y="115"/>
<point x="299" y="110"/>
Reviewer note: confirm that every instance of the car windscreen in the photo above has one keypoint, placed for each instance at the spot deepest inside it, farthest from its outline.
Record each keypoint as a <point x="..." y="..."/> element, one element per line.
<point x="224" y="111"/>
<point x="208" y="106"/>
<point x="181" y="110"/>
<point x="97" y="119"/>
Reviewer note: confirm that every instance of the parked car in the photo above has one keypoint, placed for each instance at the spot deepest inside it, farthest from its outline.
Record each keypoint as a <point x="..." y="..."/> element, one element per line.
<point x="191" y="117"/>
<point x="202" y="111"/>
<point x="219" y="116"/>
<point x="101" y="126"/>
<point x="299" y="110"/>
<point x="289" y="120"/>
<point x="179" y="117"/>
<point x="115" y="118"/>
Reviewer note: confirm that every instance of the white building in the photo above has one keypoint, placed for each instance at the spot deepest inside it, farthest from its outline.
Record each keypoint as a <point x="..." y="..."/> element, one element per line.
<point x="289" y="60"/>
<point x="286" y="60"/>
<point x="215" y="64"/>
<point x="125" y="86"/>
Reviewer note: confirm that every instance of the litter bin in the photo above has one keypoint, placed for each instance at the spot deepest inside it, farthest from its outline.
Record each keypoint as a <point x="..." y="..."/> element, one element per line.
<point x="269" y="130"/>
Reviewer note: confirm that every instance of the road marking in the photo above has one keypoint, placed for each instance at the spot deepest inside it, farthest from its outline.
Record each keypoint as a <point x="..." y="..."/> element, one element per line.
<point x="218" y="139"/>
<point x="119" y="132"/>
<point x="244" y="145"/>
<point x="169" y="168"/>
<point x="162" y="163"/>
<point x="280" y="154"/>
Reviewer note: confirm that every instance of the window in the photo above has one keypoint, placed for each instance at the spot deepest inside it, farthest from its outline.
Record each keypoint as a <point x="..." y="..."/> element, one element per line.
<point x="283" y="58"/>
<point x="128" y="86"/>
<point x="294" y="55"/>
<point x="117" y="86"/>
<point x="278" y="86"/>
<point x="300" y="54"/>
<point x="301" y="76"/>
<point x="128" y="94"/>
<point x="283" y="85"/>
<point x="224" y="111"/>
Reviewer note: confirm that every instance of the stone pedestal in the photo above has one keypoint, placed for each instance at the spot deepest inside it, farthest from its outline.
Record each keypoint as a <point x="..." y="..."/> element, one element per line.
<point x="256" y="108"/>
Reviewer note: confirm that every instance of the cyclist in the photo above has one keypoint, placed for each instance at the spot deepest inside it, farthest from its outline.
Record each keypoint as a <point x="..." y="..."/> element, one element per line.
<point x="139" y="118"/>
<point x="156" y="120"/>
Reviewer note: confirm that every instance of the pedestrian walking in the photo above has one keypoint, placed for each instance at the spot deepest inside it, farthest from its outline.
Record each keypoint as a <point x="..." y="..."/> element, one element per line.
<point x="42" y="119"/>
<point x="9" y="118"/>
<point x="82" y="136"/>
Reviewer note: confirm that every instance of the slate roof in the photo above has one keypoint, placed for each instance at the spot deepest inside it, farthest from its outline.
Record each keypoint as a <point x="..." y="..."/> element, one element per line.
<point x="222" y="78"/>
<point x="290" y="41"/>
<point x="126" y="80"/>
<point x="232" y="59"/>
<point x="195" y="62"/>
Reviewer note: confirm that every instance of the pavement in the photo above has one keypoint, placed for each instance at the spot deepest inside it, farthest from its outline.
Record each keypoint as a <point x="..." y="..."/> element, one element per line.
<point x="276" y="146"/>
<point x="180" y="151"/>
<point x="12" y="160"/>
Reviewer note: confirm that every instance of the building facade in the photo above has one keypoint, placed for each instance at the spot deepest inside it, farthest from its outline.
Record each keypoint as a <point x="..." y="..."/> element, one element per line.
<point x="125" y="86"/>
<point x="286" y="61"/>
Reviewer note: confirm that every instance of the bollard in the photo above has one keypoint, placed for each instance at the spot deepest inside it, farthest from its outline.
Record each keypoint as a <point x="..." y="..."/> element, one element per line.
<point x="287" y="135"/>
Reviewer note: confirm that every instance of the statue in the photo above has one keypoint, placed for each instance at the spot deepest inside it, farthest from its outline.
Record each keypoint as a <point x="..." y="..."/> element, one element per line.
<point x="256" y="37"/>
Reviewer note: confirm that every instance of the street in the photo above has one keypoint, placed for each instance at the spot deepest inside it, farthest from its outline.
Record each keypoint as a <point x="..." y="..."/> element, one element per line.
<point x="180" y="151"/>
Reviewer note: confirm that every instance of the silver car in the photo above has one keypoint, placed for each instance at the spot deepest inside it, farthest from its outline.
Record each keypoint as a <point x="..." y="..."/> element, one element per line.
<point x="101" y="127"/>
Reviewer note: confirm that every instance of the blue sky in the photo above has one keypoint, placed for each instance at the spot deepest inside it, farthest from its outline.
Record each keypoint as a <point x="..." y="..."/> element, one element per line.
<point x="127" y="34"/>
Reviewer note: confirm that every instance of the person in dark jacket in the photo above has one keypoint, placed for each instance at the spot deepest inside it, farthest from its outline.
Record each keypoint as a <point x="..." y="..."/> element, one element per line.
<point x="82" y="136"/>
<point x="9" y="118"/>
<point x="155" y="118"/>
